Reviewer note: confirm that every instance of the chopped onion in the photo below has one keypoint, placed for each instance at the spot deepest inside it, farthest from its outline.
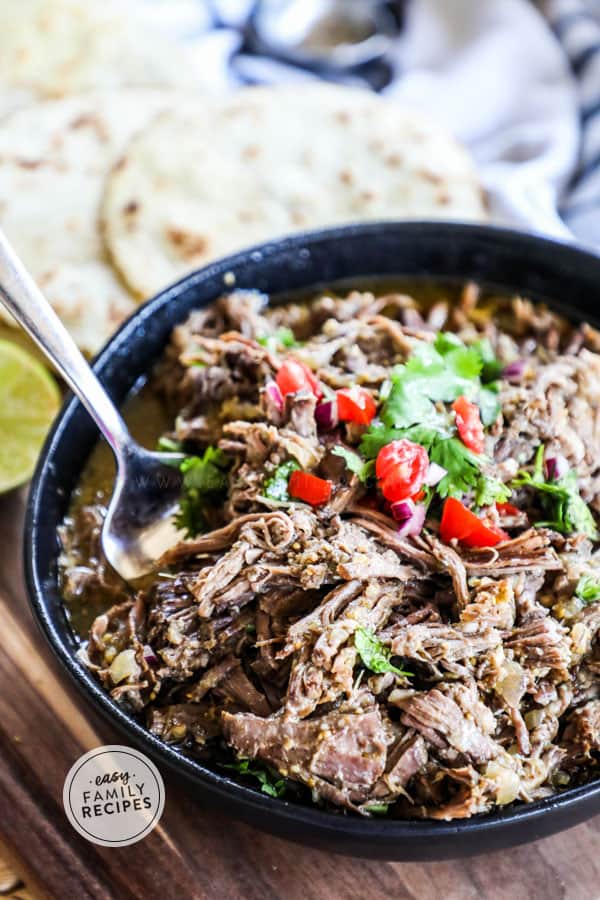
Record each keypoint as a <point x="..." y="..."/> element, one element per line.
<point x="434" y="474"/>
<point x="274" y="395"/>
<point x="123" y="666"/>
<point x="150" y="656"/>
<point x="506" y="781"/>
<point x="512" y="683"/>
<point x="409" y="515"/>
<point x="514" y="370"/>
<point x="326" y="415"/>
<point x="556" y="467"/>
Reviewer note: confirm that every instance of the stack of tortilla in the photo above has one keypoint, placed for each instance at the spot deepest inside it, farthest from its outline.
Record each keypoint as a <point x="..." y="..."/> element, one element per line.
<point x="118" y="176"/>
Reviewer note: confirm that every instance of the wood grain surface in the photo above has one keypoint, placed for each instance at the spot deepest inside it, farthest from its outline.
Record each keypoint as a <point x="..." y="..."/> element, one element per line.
<point x="45" y="725"/>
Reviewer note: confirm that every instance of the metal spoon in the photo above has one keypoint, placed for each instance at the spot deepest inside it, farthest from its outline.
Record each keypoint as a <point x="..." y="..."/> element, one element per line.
<point x="139" y="525"/>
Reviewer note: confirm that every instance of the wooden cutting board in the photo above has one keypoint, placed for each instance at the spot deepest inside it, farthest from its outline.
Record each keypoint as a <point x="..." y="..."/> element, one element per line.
<point x="45" y="725"/>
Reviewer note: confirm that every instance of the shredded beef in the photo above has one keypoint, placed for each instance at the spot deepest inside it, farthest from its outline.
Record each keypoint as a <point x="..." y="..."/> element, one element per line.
<point x="352" y="649"/>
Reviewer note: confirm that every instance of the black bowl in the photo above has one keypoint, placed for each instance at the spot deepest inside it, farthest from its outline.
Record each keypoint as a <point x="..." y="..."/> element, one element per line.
<point x="565" y="277"/>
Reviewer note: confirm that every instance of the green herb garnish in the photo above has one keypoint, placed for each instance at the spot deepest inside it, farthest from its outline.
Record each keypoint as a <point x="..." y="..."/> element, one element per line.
<point x="374" y="654"/>
<point x="568" y="512"/>
<point x="270" y="781"/>
<point x="276" y="487"/>
<point x="168" y="445"/>
<point x="492" y="367"/>
<point x="439" y="373"/>
<point x="283" y="337"/>
<point x="377" y="809"/>
<point x="588" y="589"/>
<point x="204" y="483"/>
<point x="365" y="469"/>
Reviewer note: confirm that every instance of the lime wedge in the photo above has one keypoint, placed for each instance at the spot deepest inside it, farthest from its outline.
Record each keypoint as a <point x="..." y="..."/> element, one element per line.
<point x="29" y="400"/>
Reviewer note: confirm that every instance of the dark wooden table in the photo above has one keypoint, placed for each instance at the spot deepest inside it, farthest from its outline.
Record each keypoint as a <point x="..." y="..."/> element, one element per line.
<point x="45" y="725"/>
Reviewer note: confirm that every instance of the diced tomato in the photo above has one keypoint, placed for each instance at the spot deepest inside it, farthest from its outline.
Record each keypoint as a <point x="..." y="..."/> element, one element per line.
<point x="294" y="375"/>
<point x="460" y="523"/>
<point x="401" y="468"/>
<point x="310" y="488"/>
<point x="355" y="404"/>
<point x="507" y="509"/>
<point x="468" y="422"/>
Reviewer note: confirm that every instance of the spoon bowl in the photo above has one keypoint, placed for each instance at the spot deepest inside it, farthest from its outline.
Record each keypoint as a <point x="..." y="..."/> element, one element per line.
<point x="139" y="525"/>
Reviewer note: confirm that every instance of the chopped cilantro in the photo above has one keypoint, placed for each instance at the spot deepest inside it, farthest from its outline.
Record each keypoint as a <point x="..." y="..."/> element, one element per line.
<point x="377" y="809"/>
<point x="489" y="490"/>
<point x="588" y="589"/>
<point x="489" y="403"/>
<point x="373" y="653"/>
<point x="276" y="487"/>
<point x="461" y="464"/>
<point x="204" y="481"/>
<point x="434" y="374"/>
<point x="283" y="337"/>
<point x="364" y="469"/>
<point x="168" y="445"/>
<point x="568" y="512"/>
<point x="492" y="367"/>
<point x="270" y="781"/>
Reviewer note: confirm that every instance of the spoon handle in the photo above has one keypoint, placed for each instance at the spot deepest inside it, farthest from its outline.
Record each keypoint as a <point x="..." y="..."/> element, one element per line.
<point x="24" y="300"/>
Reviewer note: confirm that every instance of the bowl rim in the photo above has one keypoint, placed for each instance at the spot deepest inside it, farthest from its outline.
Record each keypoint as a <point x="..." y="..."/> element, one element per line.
<point x="368" y="831"/>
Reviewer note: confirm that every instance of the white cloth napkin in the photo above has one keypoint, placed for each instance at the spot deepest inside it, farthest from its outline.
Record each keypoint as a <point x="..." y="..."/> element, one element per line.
<point x="494" y="74"/>
<point x="518" y="83"/>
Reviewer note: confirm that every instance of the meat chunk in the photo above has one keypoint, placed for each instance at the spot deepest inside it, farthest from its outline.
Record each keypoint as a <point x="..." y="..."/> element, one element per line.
<point x="444" y="724"/>
<point x="345" y="751"/>
<point x="582" y="734"/>
<point x="541" y="644"/>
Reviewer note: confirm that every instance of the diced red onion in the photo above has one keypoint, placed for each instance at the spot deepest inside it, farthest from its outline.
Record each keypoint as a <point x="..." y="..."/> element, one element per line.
<point x="514" y="370"/>
<point x="274" y="395"/>
<point x="434" y="474"/>
<point x="326" y="415"/>
<point x="409" y="515"/>
<point x="150" y="656"/>
<point x="556" y="467"/>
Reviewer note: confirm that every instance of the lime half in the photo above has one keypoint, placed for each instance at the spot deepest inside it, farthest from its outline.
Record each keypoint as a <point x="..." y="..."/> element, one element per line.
<point x="29" y="400"/>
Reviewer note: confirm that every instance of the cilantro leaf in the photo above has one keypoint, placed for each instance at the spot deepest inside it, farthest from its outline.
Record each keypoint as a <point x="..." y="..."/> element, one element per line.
<point x="491" y="367"/>
<point x="364" y="470"/>
<point x="204" y="482"/>
<point x="283" y="337"/>
<point x="377" y="809"/>
<point x="276" y="487"/>
<point x="168" y="445"/>
<point x="489" y="490"/>
<point x="378" y="436"/>
<point x="489" y="402"/>
<point x="407" y="402"/>
<point x="270" y="780"/>
<point x="434" y="373"/>
<point x="445" y="341"/>
<point x="588" y="589"/>
<point x="373" y="653"/>
<point x="461" y="464"/>
<point x="568" y="511"/>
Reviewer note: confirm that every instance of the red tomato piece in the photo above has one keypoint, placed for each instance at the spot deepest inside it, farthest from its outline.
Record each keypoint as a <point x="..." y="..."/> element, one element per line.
<point x="468" y="422"/>
<point x="310" y="488"/>
<point x="507" y="509"/>
<point x="401" y="468"/>
<point x="460" y="523"/>
<point x="294" y="376"/>
<point x="355" y="404"/>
